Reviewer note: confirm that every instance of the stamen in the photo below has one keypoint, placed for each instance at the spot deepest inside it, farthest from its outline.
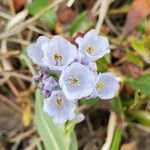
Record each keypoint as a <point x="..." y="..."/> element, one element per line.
<point x="59" y="102"/>
<point x="73" y="81"/>
<point x="90" y="49"/>
<point x="100" y="85"/>
<point x="58" y="57"/>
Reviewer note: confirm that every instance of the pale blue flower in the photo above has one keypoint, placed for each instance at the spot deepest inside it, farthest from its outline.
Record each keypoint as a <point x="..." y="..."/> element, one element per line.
<point x="106" y="86"/>
<point x="35" y="52"/>
<point x="86" y="61"/>
<point x="59" y="107"/>
<point x="93" y="45"/>
<point x="59" y="53"/>
<point x="77" y="81"/>
<point x="45" y="82"/>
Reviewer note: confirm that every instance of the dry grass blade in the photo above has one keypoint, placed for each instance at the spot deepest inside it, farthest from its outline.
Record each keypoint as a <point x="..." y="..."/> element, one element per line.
<point x="25" y="24"/>
<point x="17" y="75"/>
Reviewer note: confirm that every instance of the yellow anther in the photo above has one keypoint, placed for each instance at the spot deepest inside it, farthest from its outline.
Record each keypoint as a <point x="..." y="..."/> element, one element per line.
<point x="59" y="102"/>
<point x="73" y="81"/>
<point x="100" y="85"/>
<point x="58" y="57"/>
<point x="90" y="49"/>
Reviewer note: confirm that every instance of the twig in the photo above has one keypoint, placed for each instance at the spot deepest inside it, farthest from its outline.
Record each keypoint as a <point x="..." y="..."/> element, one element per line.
<point x="117" y="11"/>
<point x="23" y="135"/>
<point x="96" y="6"/>
<point x="70" y="3"/>
<point x="98" y="133"/>
<point x="34" y="144"/>
<point x="89" y="126"/>
<point x="141" y="127"/>
<point x="110" y="131"/>
<point x="19" y="41"/>
<point x="111" y="26"/>
<point x="10" y="103"/>
<point x="35" y="29"/>
<point x="25" y="24"/>
<point x="4" y="15"/>
<point x="17" y="19"/>
<point x="11" y="6"/>
<point x="9" y="54"/>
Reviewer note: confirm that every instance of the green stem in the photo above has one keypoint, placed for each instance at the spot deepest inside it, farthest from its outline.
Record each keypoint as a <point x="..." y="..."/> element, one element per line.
<point x="117" y="139"/>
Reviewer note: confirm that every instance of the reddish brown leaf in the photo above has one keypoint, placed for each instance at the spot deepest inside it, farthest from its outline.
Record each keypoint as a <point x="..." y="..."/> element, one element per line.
<point x="138" y="11"/>
<point x="118" y="53"/>
<point x="72" y="40"/>
<point x="128" y="90"/>
<point x="65" y="14"/>
<point x="131" y="70"/>
<point x="18" y="4"/>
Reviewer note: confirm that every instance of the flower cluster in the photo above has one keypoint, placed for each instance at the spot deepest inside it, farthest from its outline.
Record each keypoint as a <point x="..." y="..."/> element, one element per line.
<point x="69" y="73"/>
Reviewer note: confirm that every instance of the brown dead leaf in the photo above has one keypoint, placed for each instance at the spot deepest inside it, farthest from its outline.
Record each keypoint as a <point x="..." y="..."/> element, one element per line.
<point x="138" y="11"/>
<point x="18" y="4"/>
<point x="129" y="146"/>
<point x="59" y="28"/>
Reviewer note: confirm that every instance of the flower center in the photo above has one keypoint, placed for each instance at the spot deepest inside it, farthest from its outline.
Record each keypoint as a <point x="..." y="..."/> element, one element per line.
<point x="58" y="57"/>
<point x="59" y="102"/>
<point x="100" y="85"/>
<point x="90" y="49"/>
<point x="73" y="81"/>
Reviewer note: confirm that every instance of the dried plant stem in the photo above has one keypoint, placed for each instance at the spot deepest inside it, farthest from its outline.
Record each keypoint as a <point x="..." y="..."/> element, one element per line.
<point x="102" y="13"/>
<point x="17" y="75"/>
<point x="110" y="131"/>
<point x="23" y="135"/>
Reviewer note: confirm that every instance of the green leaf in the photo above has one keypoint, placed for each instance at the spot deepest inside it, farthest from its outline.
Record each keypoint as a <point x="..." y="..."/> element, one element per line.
<point x="138" y="45"/>
<point x="134" y="103"/>
<point x="117" y="139"/>
<point x="143" y="26"/>
<point x="53" y="136"/>
<point x="81" y="23"/>
<point x="142" y="46"/>
<point x="142" y="117"/>
<point x="40" y="146"/>
<point x="135" y="59"/>
<point x="117" y="105"/>
<point x="91" y="102"/>
<point x="49" y="17"/>
<point x="102" y="64"/>
<point x="26" y="61"/>
<point x="142" y="84"/>
<point x="73" y="144"/>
